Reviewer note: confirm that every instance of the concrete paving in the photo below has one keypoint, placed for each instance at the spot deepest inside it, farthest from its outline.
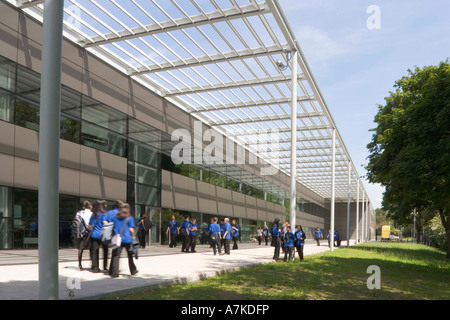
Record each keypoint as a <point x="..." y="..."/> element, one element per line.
<point x="158" y="266"/>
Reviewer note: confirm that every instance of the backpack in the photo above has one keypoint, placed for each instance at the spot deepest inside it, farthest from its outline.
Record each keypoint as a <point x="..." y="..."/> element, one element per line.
<point x="215" y="236"/>
<point x="147" y="224"/>
<point x="107" y="233"/>
<point x="79" y="228"/>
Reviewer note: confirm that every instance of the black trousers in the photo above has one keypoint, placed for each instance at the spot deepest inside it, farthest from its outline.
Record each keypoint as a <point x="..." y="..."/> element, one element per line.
<point x="186" y="242"/>
<point x="172" y="240"/>
<point x="83" y="245"/>
<point x="235" y="246"/>
<point x="300" y="251"/>
<point x="277" y="244"/>
<point x="288" y="251"/>
<point x="226" y="246"/>
<point x="193" y="241"/>
<point x="216" y="245"/>
<point x="96" y="244"/>
<point x="142" y="234"/>
<point x="114" y="268"/>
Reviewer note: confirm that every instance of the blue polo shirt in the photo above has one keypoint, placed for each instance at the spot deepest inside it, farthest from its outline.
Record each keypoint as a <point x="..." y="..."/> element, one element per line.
<point x="118" y="224"/>
<point x="173" y="225"/>
<point x="318" y="234"/>
<point x="236" y="232"/>
<point x="214" y="227"/>
<point x="193" y="232"/>
<point x="186" y="225"/>
<point x="111" y="214"/>
<point x="97" y="224"/>
<point x="298" y="236"/>
<point x="275" y="232"/>
<point x="289" y="239"/>
<point x="227" y="228"/>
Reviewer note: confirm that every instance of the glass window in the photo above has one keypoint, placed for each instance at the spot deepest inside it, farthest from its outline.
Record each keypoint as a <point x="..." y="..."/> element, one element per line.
<point x="143" y="154"/>
<point x="70" y="103"/>
<point x="143" y="174"/>
<point x="104" y="116"/>
<point x="148" y="195"/>
<point x="144" y="133"/>
<point x="96" y="137"/>
<point x="7" y="74"/>
<point x="27" y="114"/>
<point x="28" y="85"/>
<point x="6" y="106"/>
<point x="70" y="129"/>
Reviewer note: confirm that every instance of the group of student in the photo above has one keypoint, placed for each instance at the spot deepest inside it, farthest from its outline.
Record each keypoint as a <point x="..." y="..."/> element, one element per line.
<point x="94" y="216"/>
<point x="219" y="235"/>
<point x="318" y="236"/>
<point x="283" y="238"/>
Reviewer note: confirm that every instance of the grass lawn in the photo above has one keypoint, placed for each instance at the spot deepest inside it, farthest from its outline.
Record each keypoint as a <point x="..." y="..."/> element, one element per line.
<point x="408" y="271"/>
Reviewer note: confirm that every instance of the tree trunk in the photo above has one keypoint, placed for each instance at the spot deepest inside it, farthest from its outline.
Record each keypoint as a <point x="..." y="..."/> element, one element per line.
<point x="446" y="223"/>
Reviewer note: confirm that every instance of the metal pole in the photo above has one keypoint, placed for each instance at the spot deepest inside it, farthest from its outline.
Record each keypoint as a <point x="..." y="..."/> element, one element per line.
<point x="362" y="217"/>
<point x="49" y="149"/>
<point x="357" y="211"/>
<point x="293" y="203"/>
<point x="367" y="218"/>
<point x="348" y="204"/>
<point x="333" y="169"/>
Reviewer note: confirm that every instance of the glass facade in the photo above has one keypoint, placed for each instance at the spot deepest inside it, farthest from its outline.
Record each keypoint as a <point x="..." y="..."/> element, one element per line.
<point x="93" y="124"/>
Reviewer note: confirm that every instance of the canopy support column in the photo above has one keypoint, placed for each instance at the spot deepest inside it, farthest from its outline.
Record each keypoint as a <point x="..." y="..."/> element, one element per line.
<point x="50" y="110"/>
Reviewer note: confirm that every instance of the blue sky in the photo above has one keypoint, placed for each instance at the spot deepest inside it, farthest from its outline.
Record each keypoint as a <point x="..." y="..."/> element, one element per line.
<point x="356" y="67"/>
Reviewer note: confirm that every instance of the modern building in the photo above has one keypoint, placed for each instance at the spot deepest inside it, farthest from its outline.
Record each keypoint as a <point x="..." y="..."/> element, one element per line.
<point x="135" y="79"/>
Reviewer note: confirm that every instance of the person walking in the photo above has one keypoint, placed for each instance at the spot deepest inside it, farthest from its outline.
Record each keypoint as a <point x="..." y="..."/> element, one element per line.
<point x="85" y="214"/>
<point x="193" y="232"/>
<point x="318" y="235"/>
<point x="142" y="233"/>
<point x="95" y="224"/>
<point x="276" y="242"/>
<point x="172" y="231"/>
<point x="337" y="238"/>
<point x="185" y="232"/>
<point x="260" y="235"/>
<point x="235" y="233"/>
<point x="266" y="234"/>
<point x="226" y="235"/>
<point x="123" y="224"/>
<point x="288" y="243"/>
<point x="300" y="241"/>
<point x="214" y="230"/>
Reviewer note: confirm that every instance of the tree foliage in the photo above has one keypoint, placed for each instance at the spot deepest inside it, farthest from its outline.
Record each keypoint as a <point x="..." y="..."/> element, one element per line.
<point x="410" y="149"/>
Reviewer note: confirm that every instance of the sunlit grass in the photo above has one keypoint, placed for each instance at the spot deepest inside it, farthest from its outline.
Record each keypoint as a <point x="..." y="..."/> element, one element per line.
<point x="408" y="271"/>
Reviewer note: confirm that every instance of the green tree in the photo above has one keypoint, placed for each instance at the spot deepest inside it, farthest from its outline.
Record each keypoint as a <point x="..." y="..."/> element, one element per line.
<point x="410" y="147"/>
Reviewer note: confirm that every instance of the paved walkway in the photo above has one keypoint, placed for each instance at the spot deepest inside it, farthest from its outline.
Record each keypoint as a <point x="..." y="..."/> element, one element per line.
<point x="158" y="266"/>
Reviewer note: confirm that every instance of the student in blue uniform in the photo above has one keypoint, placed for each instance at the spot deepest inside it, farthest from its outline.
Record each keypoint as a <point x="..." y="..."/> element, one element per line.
<point x="276" y="242"/>
<point x="193" y="232"/>
<point x="266" y="234"/>
<point x="123" y="221"/>
<point x="318" y="235"/>
<point x="289" y="238"/>
<point x="222" y="232"/>
<point x="226" y="235"/>
<point x="95" y="224"/>
<point x="172" y="231"/>
<point x="185" y="231"/>
<point x="235" y="233"/>
<point x="337" y="238"/>
<point x="214" y="230"/>
<point x="300" y="241"/>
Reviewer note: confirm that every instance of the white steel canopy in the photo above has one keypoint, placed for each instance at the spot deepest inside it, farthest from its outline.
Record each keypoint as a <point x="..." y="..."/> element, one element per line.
<point x="228" y="63"/>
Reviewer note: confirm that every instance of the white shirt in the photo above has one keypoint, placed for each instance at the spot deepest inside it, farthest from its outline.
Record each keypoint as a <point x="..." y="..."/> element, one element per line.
<point x="85" y="215"/>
